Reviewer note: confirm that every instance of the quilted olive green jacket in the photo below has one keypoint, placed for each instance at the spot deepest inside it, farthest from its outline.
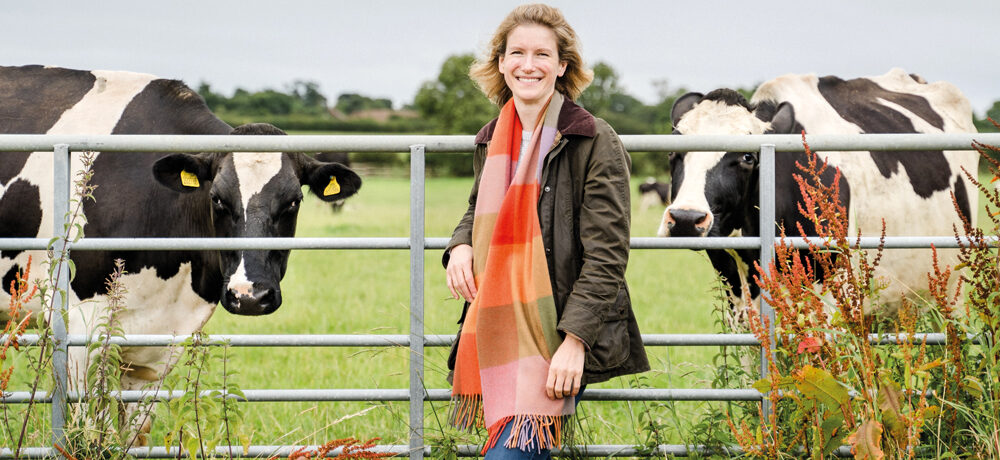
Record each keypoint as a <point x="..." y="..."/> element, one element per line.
<point x="584" y="212"/>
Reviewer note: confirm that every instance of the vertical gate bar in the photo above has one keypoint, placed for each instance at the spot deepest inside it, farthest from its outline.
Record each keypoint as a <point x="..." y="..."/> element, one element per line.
<point x="767" y="219"/>
<point x="60" y="201"/>
<point x="417" y="392"/>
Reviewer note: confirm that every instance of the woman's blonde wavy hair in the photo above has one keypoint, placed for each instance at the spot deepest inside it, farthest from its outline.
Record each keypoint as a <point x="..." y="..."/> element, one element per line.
<point x="486" y="72"/>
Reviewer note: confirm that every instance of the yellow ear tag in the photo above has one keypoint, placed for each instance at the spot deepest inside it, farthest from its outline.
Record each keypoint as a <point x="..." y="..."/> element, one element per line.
<point x="332" y="188"/>
<point x="189" y="179"/>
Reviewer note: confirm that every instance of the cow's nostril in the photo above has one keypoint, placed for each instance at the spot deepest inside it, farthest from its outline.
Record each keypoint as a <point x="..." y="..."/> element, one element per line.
<point x="687" y="222"/>
<point x="267" y="298"/>
<point x="232" y="300"/>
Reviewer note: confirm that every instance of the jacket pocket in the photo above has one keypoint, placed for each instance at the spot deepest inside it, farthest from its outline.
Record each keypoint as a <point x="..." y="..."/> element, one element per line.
<point x="611" y="348"/>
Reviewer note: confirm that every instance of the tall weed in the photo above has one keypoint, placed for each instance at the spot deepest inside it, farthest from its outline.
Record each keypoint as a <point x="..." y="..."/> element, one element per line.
<point x="829" y="383"/>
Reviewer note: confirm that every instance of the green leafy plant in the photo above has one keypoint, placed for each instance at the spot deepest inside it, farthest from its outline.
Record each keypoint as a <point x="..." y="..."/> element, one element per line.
<point x="207" y="414"/>
<point x="827" y="382"/>
<point x="39" y="362"/>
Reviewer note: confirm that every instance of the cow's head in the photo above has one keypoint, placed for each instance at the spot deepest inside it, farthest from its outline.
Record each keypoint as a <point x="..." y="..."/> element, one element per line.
<point x="254" y="195"/>
<point x="712" y="191"/>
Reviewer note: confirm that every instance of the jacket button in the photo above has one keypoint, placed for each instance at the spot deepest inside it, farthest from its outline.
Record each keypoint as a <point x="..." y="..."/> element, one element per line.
<point x="547" y="188"/>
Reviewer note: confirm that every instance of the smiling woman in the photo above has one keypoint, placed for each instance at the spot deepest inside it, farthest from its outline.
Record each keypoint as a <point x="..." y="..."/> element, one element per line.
<point x="540" y="254"/>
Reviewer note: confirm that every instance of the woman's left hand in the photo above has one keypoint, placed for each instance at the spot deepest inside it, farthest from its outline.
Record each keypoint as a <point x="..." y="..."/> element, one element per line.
<point x="566" y="369"/>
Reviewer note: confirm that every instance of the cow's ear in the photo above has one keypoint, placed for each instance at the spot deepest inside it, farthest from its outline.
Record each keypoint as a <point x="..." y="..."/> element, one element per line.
<point x="184" y="172"/>
<point x="683" y="105"/>
<point x="330" y="181"/>
<point x="783" y="121"/>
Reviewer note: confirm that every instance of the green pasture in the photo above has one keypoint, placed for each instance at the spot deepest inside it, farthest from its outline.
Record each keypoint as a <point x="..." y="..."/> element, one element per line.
<point x="367" y="292"/>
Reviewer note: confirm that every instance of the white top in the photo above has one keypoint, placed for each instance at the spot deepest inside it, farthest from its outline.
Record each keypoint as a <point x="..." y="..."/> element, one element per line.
<point x="525" y="139"/>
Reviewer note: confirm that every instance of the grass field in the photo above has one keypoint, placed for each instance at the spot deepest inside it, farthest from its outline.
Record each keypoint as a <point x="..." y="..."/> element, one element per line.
<point x="366" y="292"/>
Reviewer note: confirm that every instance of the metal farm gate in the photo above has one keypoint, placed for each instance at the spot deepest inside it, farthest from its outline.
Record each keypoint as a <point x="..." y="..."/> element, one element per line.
<point x="417" y="243"/>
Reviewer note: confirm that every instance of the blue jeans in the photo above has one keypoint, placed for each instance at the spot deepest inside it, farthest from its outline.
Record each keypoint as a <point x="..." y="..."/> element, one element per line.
<point x="499" y="452"/>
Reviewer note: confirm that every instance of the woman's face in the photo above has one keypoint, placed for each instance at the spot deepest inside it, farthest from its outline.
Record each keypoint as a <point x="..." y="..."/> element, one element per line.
<point x="531" y="64"/>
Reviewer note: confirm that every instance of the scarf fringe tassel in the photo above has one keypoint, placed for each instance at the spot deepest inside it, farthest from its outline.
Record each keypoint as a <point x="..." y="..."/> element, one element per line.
<point x="466" y="412"/>
<point x="529" y="432"/>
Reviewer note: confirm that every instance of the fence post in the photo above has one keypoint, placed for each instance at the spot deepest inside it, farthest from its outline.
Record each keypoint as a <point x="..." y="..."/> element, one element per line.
<point x="417" y="392"/>
<point x="60" y="205"/>
<point x="767" y="219"/>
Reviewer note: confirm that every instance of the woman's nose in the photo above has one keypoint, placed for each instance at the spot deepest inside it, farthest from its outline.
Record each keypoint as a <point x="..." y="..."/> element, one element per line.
<point x="529" y="63"/>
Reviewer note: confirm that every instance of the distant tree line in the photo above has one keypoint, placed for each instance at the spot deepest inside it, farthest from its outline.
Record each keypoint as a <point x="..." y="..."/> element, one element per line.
<point x="453" y="104"/>
<point x="302" y="107"/>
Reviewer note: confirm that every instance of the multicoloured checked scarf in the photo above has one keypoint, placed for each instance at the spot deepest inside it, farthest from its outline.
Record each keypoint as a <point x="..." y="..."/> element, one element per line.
<point x="510" y="333"/>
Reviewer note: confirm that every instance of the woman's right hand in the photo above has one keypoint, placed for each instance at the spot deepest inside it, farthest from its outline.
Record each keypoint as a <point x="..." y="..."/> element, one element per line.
<point x="461" y="280"/>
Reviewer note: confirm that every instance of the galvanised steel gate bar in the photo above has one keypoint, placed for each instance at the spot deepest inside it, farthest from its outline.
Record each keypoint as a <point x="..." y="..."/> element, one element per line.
<point x="444" y="144"/>
<point x="605" y="451"/>
<point x="61" y="201"/>
<point x="766" y="219"/>
<point x="416" y="243"/>
<point x="416" y="395"/>
<point x="167" y="244"/>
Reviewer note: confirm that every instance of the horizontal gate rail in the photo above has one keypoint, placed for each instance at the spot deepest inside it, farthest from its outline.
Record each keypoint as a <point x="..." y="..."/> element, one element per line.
<point x="435" y="340"/>
<point x="717" y="242"/>
<point x="466" y="450"/>
<point x="402" y="394"/>
<point x="443" y="144"/>
<point x="416" y="340"/>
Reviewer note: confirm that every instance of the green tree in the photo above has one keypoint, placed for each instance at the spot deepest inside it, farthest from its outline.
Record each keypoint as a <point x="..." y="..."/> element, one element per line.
<point x="983" y="125"/>
<point x="349" y="103"/>
<point x="310" y="99"/>
<point x="607" y="99"/>
<point x="597" y="98"/>
<point x="267" y="102"/>
<point x="453" y="102"/>
<point x="215" y="101"/>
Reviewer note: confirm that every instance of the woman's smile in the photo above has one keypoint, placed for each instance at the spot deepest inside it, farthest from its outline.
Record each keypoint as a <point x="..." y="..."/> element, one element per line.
<point x="530" y="64"/>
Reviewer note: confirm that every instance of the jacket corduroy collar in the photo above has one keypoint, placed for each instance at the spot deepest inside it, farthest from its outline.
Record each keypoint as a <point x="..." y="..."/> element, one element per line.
<point x="573" y="121"/>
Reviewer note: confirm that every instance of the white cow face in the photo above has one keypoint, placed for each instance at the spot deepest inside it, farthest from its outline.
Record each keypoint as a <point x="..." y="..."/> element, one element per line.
<point x="713" y="190"/>
<point x="254" y="195"/>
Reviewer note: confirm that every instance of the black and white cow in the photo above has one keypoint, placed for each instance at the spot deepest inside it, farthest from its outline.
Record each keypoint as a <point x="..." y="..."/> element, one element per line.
<point x="716" y="193"/>
<point x="153" y="195"/>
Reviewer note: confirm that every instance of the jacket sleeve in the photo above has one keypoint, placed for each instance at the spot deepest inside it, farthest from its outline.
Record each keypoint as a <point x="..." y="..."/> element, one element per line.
<point x="463" y="232"/>
<point x="604" y="224"/>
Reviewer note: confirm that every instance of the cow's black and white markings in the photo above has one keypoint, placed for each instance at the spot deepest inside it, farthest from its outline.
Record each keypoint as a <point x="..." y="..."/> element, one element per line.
<point x="143" y="195"/>
<point x="716" y="194"/>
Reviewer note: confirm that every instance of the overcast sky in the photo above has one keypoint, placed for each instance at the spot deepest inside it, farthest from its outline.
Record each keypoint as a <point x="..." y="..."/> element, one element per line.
<point x="388" y="48"/>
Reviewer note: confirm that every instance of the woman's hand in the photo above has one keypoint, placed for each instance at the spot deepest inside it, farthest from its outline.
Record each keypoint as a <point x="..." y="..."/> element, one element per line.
<point x="566" y="369"/>
<point x="461" y="280"/>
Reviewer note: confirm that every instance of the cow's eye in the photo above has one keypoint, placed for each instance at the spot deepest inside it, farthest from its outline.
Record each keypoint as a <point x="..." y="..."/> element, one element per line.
<point x="748" y="159"/>
<point x="219" y="205"/>
<point x="291" y="207"/>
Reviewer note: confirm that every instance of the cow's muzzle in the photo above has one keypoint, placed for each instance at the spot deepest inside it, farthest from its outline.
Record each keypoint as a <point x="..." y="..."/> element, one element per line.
<point x="686" y="222"/>
<point x="258" y="301"/>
